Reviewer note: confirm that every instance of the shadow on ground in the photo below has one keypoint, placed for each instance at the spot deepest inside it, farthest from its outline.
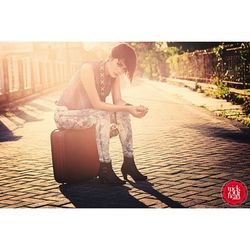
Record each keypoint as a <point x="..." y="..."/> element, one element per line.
<point x="92" y="194"/>
<point x="148" y="188"/>
<point x="40" y="107"/>
<point x="26" y="117"/>
<point x="6" y="134"/>
<point x="242" y="136"/>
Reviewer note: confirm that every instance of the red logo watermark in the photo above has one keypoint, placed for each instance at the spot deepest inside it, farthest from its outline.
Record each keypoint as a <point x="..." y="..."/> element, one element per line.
<point x="234" y="192"/>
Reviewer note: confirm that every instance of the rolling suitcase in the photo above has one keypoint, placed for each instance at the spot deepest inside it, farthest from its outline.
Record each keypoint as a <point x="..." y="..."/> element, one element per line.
<point x="74" y="155"/>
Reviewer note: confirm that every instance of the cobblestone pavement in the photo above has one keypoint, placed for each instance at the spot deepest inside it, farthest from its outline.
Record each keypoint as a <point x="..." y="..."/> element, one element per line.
<point x="187" y="152"/>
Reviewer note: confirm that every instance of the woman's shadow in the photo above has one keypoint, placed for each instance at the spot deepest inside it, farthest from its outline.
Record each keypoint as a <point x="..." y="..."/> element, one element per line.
<point x="147" y="187"/>
<point x="92" y="194"/>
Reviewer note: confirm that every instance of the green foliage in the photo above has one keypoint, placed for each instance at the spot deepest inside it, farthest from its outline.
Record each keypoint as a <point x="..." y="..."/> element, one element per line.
<point x="179" y="63"/>
<point x="224" y="61"/>
<point x="246" y="121"/>
<point x="151" y="55"/>
<point x="235" y="114"/>
<point x="237" y="98"/>
<point x="219" y="71"/>
<point x="224" y="68"/>
<point x="245" y="51"/>
<point x="219" y="52"/>
<point x="222" y="91"/>
<point x="173" y="63"/>
<point x="246" y="105"/>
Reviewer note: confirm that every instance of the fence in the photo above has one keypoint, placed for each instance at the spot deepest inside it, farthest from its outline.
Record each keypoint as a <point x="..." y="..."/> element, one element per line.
<point x="22" y="75"/>
<point x="232" y="66"/>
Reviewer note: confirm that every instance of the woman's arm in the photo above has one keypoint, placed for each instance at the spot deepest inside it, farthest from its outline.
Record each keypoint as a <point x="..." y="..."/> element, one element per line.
<point x="88" y="80"/>
<point x="137" y="111"/>
<point x="116" y="93"/>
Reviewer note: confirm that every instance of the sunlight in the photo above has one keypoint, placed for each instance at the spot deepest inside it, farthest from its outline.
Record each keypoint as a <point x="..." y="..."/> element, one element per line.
<point x="36" y="66"/>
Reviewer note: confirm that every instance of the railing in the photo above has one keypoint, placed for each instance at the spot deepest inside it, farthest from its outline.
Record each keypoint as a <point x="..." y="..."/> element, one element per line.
<point x="22" y="75"/>
<point x="232" y="67"/>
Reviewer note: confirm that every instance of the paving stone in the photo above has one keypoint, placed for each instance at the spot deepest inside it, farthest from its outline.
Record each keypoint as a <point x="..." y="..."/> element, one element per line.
<point x="202" y="206"/>
<point x="192" y="202"/>
<point x="187" y="153"/>
<point x="179" y="199"/>
<point x="148" y="201"/>
<point x="185" y="194"/>
<point x="215" y="202"/>
<point x="201" y="197"/>
<point x="69" y="205"/>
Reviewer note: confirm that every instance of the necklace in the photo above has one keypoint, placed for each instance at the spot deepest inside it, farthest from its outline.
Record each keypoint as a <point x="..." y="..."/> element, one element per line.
<point x="102" y="78"/>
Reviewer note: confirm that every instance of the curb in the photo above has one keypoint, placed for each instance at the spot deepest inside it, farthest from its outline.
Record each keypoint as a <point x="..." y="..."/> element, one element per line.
<point x="194" y="85"/>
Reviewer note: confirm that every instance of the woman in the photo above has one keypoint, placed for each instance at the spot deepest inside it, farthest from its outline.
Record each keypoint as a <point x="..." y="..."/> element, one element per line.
<point x="82" y="105"/>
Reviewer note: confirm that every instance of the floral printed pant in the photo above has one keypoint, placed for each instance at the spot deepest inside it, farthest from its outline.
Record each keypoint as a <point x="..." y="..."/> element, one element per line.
<point x="107" y="125"/>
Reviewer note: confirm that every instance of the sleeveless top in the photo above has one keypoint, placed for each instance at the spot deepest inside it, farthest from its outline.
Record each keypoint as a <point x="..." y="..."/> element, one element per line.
<point x="74" y="96"/>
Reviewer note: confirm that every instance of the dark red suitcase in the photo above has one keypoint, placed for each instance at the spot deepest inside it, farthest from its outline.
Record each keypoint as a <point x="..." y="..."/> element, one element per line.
<point x="74" y="155"/>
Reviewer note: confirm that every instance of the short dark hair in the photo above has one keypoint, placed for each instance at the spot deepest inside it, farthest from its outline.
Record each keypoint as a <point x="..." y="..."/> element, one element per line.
<point x="125" y="52"/>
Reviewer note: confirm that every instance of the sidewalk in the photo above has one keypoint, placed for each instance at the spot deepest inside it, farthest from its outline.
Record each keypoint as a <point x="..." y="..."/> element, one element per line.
<point x="220" y="107"/>
<point x="187" y="152"/>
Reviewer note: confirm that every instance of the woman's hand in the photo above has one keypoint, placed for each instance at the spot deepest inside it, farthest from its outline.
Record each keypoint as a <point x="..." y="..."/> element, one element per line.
<point x="138" y="111"/>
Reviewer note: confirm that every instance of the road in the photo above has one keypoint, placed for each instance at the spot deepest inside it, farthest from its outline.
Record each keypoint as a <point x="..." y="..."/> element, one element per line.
<point x="187" y="152"/>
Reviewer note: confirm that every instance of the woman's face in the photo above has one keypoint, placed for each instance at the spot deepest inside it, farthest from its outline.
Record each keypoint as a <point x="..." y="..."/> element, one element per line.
<point x="117" y="67"/>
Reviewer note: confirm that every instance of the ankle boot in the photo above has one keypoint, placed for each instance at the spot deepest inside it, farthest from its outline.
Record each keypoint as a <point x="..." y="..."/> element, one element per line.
<point x="129" y="168"/>
<point x="108" y="176"/>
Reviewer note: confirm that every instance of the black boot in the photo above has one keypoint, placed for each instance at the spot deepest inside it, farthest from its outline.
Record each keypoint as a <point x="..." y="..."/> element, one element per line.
<point x="108" y="176"/>
<point x="129" y="168"/>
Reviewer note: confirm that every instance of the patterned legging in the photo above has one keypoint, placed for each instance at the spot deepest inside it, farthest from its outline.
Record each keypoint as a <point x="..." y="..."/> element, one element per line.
<point x="104" y="121"/>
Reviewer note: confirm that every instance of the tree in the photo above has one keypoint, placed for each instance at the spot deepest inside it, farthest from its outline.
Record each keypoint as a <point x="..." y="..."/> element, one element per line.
<point x="192" y="46"/>
<point x="152" y="57"/>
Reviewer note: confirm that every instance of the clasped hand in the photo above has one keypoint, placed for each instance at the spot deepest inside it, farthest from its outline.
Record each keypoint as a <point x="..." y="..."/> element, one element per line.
<point x="138" y="111"/>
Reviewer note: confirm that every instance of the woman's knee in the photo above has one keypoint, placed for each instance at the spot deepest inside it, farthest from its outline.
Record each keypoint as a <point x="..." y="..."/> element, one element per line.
<point x="124" y="116"/>
<point x="104" y="115"/>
